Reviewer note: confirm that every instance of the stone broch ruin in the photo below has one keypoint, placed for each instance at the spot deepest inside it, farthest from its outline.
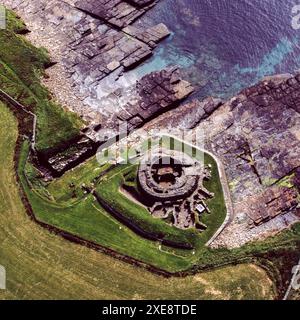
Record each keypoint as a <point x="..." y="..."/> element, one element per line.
<point x="172" y="184"/>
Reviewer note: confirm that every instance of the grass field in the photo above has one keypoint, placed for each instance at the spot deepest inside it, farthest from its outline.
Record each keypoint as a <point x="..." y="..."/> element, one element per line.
<point x="63" y="204"/>
<point x="43" y="266"/>
<point x="21" y="67"/>
<point x="109" y="190"/>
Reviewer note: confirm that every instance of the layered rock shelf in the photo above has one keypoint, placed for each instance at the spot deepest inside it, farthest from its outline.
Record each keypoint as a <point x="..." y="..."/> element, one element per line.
<point x="89" y="40"/>
<point x="153" y="94"/>
<point x="118" y="13"/>
<point x="271" y="203"/>
<point x="92" y="42"/>
<point x="256" y="137"/>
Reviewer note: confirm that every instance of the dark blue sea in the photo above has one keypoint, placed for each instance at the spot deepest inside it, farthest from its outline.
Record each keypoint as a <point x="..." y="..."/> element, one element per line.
<point x="223" y="46"/>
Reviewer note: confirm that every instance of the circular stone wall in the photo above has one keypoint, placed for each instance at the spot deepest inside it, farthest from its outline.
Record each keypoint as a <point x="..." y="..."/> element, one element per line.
<point x="166" y="176"/>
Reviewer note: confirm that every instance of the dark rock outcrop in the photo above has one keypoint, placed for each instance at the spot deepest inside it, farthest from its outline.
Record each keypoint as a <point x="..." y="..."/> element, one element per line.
<point x="296" y="179"/>
<point x="89" y="45"/>
<point x="117" y="13"/>
<point x="271" y="203"/>
<point x="154" y="94"/>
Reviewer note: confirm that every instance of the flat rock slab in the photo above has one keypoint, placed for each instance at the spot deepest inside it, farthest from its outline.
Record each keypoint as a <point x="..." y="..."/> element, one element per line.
<point x="150" y="36"/>
<point x="87" y="48"/>
<point x="154" y="94"/>
<point x="117" y="13"/>
<point x="269" y="204"/>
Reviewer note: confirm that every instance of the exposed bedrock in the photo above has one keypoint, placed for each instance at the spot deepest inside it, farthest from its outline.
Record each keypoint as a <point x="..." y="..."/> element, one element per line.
<point x="118" y="13"/>
<point x="269" y="204"/>
<point x="152" y="95"/>
<point x="89" y="48"/>
<point x="256" y="135"/>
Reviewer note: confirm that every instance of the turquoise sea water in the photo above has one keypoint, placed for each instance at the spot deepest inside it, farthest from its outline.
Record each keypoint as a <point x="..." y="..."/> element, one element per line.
<point x="223" y="46"/>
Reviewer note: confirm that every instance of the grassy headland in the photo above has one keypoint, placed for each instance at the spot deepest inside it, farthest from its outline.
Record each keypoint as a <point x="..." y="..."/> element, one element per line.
<point x="21" y="68"/>
<point x="41" y="265"/>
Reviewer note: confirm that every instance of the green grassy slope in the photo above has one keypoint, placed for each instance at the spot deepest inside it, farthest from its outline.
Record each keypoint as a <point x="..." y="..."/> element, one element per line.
<point x="55" y="204"/>
<point x="109" y="191"/>
<point x="21" y="67"/>
<point x="43" y="266"/>
<point x="63" y="204"/>
<point x="85" y="218"/>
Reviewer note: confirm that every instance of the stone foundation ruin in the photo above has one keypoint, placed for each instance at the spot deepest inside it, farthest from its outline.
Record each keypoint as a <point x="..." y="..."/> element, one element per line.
<point x="171" y="182"/>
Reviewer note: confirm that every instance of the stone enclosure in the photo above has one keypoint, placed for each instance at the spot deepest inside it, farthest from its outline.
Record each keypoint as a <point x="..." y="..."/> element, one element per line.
<point x="171" y="182"/>
<point x="255" y="135"/>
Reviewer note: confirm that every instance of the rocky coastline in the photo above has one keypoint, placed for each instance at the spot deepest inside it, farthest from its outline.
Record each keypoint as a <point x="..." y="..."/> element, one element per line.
<point x="255" y="134"/>
<point x="88" y="49"/>
<point x="154" y="94"/>
<point x="256" y="137"/>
